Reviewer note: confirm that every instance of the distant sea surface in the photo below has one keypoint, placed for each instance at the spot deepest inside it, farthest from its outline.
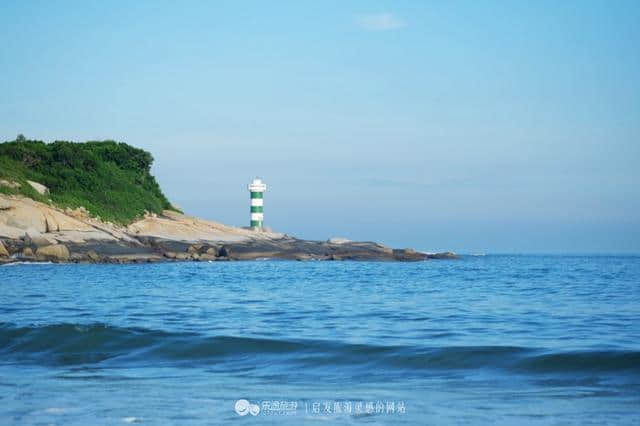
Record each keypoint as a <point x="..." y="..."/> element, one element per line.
<point x="486" y="339"/>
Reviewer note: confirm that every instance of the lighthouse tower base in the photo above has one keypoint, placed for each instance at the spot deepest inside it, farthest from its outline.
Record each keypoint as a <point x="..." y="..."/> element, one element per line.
<point x="258" y="228"/>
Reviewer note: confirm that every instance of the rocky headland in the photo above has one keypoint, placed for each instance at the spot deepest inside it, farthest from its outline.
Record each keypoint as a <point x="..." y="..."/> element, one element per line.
<point x="98" y="202"/>
<point x="35" y="231"/>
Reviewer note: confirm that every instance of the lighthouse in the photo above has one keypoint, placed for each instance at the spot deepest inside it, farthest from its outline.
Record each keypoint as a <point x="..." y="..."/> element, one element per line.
<point x="256" y="189"/>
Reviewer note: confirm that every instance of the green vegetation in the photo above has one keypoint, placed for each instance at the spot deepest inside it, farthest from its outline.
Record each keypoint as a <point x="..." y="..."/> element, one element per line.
<point x="111" y="180"/>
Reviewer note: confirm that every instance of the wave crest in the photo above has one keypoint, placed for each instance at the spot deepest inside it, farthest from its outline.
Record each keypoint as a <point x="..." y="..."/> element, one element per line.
<point x="72" y="344"/>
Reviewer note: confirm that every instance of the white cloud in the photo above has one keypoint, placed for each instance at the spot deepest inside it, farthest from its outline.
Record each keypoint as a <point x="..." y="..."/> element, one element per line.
<point x="380" y="22"/>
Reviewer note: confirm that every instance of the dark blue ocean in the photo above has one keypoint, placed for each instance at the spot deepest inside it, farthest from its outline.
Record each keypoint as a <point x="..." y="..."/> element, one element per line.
<point x="487" y="339"/>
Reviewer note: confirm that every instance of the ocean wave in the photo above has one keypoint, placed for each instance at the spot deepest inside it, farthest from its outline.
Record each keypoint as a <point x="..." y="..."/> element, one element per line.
<point x="76" y="344"/>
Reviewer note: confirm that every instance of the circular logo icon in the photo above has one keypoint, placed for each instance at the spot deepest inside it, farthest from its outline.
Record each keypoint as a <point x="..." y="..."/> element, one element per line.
<point x="254" y="409"/>
<point x="242" y="407"/>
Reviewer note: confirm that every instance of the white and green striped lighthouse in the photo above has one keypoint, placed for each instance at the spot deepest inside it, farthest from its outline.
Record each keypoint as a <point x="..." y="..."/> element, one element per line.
<point x="257" y="188"/>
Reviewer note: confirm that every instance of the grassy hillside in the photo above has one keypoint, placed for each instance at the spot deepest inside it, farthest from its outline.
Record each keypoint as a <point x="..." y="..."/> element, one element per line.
<point x="112" y="180"/>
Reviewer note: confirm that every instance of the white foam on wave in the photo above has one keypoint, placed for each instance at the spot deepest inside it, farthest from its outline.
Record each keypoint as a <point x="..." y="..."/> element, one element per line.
<point x="28" y="263"/>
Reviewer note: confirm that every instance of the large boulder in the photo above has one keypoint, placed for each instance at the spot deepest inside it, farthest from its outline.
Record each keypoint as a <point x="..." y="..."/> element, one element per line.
<point x="19" y="215"/>
<point x="3" y="250"/>
<point x="177" y="256"/>
<point x="38" y="187"/>
<point x="195" y="248"/>
<point x="57" y="252"/>
<point x="22" y="214"/>
<point x="36" y="238"/>
<point x="10" y="183"/>
<point x="57" y="222"/>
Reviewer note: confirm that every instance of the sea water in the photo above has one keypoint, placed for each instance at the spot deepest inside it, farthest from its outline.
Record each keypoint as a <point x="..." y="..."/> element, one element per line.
<point x="485" y="339"/>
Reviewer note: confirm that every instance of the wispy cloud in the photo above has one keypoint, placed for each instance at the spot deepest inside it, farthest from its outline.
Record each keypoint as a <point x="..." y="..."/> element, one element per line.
<point x="380" y="22"/>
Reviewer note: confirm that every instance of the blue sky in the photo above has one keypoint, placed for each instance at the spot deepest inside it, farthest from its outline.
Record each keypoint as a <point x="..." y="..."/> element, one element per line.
<point x="492" y="126"/>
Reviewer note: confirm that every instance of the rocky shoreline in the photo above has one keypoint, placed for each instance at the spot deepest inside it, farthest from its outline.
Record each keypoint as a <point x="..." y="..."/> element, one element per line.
<point x="31" y="231"/>
<point x="161" y="250"/>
